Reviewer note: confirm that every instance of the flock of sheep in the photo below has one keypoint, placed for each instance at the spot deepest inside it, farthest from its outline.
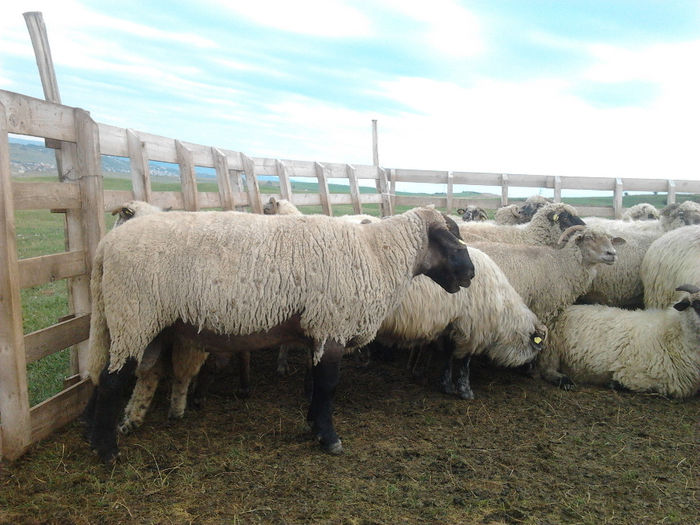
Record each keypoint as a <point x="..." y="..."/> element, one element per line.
<point x="176" y="293"/>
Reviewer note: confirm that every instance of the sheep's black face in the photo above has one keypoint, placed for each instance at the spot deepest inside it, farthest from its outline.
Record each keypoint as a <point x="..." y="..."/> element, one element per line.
<point x="447" y="262"/>
<point x="565" y="219"/>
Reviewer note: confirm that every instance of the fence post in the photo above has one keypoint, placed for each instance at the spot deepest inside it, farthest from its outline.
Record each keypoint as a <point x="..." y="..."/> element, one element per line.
<point x="392" y="188"/>
<point x="504" y="189"/>
<point x="252" y="184"/>
<point x="617" y="199"/>
<point x="450" y="191"/>
<point x="323" y="188"/>
<point x="557" y="188"/>
<point x="188" y="178"/>
<point x="354" y="189"/>
<point x="671" y="195"/>
<point x="223" y="181"/>
<point x="88" y="168"/>
<point x="285" y="185"/>
<point x="14" y="401"/>
<point x="140" y="172"/>
<point x="383" y="187"/>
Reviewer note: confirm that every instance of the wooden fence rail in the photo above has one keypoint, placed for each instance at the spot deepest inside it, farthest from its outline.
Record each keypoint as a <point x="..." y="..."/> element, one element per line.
<point x="80" y="195"/>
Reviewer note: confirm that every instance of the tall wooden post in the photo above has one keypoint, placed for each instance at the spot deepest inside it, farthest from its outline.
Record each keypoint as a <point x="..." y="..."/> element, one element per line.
<point x="617" y="199"/>
<point x="15" y="432"/>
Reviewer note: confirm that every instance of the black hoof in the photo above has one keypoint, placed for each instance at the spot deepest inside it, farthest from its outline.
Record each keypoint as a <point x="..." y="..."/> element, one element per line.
<point x="334" y="448"/>
<point x="243" y="393"/>
<point x="566" y="384"/>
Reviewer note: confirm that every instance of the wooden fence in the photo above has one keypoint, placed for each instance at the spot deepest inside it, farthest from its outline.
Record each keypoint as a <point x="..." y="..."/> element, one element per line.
<point x="80" y="196"/>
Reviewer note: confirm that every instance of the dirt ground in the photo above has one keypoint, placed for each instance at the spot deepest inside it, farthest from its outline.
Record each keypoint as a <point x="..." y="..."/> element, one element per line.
<point x="521" y="452"/>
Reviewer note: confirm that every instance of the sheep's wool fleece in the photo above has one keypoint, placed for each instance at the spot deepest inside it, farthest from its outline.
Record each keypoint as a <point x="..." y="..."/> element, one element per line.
<point x="671" y="260"/>
<point x="489" y="316"/>
<point x="239" y="274"/>
<point x="645" y="350"/>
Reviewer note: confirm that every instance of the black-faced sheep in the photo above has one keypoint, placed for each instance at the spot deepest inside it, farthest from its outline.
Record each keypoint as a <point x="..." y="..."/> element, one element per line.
<point x="472" y="214"/>
<point x="201" y="274"/>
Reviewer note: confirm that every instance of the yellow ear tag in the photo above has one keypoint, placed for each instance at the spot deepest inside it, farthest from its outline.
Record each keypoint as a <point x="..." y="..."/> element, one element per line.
<point x="537" y="340"/>
<point x="462" y="242"/>
<point x="555" y="217"/>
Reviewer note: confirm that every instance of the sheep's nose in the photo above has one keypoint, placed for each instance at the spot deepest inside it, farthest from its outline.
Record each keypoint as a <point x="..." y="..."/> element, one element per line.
<point x="611" y="253"/>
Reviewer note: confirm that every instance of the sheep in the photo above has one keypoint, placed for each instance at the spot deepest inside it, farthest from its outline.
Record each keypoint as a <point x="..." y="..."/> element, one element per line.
<point x="643" y="350"/>
<point x="672" y="258"/>
<point x="132" y="209"/>
<point x="641" y="212"/>
<point x="280" y="207"/>
<point x="520" y="213"/>
<point x="487" y="318"/>
<point x="205" y="277"/>
<point x="550" y="279"/>
<point x="545" y="228"/>
<point x="621" y="285"/>
<point x="472" y="214"/>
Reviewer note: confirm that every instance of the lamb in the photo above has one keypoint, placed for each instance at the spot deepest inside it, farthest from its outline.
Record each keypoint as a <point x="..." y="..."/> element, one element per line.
<point x="641" y="212"/>
<point x="545" y="228"/>
<point x="280" y="207"/>
<point x="550" y="279"/>
<point x="672" y="258"/>
<point x="472" y="214"/>
<point x="621" y="285"/>
<point x="186" y="272"/>
<point x="520" y="213"/>
<point x="643" y="350"/>
<point x="487" y="318"/>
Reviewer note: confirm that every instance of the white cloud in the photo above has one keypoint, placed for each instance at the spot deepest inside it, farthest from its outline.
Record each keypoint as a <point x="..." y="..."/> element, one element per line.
<point x="324" y="18"/>
<point x="449" y="28"/>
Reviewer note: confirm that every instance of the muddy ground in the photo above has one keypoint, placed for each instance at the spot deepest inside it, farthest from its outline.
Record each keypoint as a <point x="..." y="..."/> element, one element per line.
<point x="521" y="452"/>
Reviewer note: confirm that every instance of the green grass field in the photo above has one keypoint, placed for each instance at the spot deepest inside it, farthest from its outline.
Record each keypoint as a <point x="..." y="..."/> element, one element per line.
<point x="41" y="232"/>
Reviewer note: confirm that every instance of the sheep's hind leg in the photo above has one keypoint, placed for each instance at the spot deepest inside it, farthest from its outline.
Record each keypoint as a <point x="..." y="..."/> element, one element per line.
<point x="140" y="400"/>
<point x="106" y="410"/>
<point x="548" y="368"/>
<point x="464" y="389"/>
<point x="325" y="380"/>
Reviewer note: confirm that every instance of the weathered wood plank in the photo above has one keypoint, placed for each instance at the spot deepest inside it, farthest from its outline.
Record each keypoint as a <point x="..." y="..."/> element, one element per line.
<point x="285" y="184"/>
<point x="50" y="340"/>
<point x="223" y="181"/>
<point x="251" y="180"/>
<point x="188" y="178"/>
<point x="504" y="189"/>
<point x="115" y="198"/>
<point x="671" y="195"/>
<point x="617" y="199"/>
<point x="557" y="189"/>
<point x="354" y="189"/>
<point x="46" y="195"/>
<point x="383" y="186"/>
<point x="48" y="268"/>
<point x="59" y="410"/>
<point x="323" y="189"/>
<point x="32" y="116"/>
<point x="140" y="171"/>
<point x="450" y="192"/>
<point x="14" y="400"/>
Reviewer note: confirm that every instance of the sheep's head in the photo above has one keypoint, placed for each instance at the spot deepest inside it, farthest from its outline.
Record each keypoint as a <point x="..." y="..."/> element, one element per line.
<point x="690" y="301"/>
<point x="526" y="340"/>
<point x="528" y="208"/>
<point x="641" y="212"/>
<point x="132" y="209"/>
<point x="271" y="207"/>
<point x="447" y="260"/>
<point x="472" y="214"/>
<point x="676" y="215"/>
<point x="560" y="215"/>
<point x="596" y="246"/>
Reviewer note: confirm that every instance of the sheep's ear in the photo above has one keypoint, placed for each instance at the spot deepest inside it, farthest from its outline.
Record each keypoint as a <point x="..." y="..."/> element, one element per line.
<point x="272" y="200"/>
<point x="570" y="233"/>
<point x="482" y="214"/>
<point x="461" y="211"/>
<point x="618" y="241"/>
<point x="682" y="305"/>
<point x="515" y="211"/>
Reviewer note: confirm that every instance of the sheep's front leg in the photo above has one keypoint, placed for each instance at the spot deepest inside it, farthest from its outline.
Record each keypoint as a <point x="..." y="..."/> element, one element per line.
<point x="106" y="410"/>
<point x="283" y="360"/>
<point x="325" y="380"/>
<point x="141" y="397"/>
<point x="464" y="389"/>
<point x="548" y="367"/>
<point x="446" y="386"/>
<point x="244" y="374"/>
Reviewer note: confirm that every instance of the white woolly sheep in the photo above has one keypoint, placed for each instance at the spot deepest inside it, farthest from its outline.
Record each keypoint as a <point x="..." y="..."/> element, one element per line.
<point x="671" y="259"/>
<point x="641" y="212"/>
<point x="545" y="228"/>
<point x="621" y="285"/>
<point x="280" y="207"/>
<point x="188" y="272"/>
<point x="550" y="279"/>
<point x="641" y="350"/>
<point x="487" y="318"/>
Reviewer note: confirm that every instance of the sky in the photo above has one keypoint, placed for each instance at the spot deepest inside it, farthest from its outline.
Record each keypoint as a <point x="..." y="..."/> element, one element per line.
<point x="558" y="87"/>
